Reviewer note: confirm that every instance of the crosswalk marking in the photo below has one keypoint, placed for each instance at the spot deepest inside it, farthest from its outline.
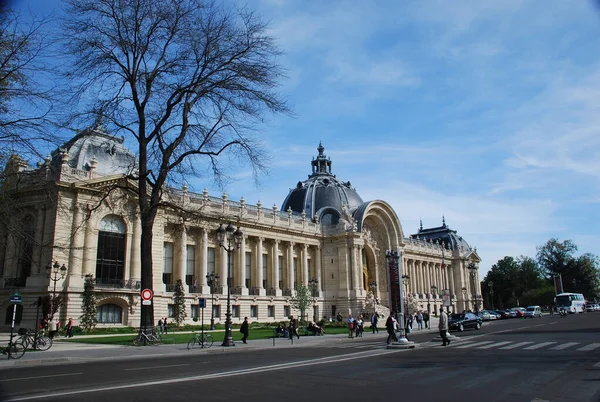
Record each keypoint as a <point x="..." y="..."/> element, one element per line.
<point x="539" y="345"/>
<point x="564" y="346"/>
<point x="494" y="345"/>
<point x="470" y="345"/>
<point x="515" y="345"/>
<point x="591" y="346"/>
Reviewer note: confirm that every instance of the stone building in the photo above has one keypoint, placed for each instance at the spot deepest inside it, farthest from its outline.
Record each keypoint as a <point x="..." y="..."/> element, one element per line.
<point x="77" y="208"/>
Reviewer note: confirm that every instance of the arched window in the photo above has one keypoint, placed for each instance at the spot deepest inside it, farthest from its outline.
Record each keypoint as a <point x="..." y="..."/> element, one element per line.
<point x="25" y="247"/>
<point x="109" y="314"/>
<point x="111" y="252"/>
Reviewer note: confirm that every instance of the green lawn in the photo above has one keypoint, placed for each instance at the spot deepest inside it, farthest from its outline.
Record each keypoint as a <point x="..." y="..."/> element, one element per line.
<point x="183" y="338"/>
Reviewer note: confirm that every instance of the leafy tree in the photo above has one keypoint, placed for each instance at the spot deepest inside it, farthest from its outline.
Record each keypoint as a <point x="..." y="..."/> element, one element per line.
<point x="88" y="319"/>
<point x="179" y="313"/>
<point x="302" y="299"/>
<point x="187" y="80"/>
<point x="50" y="305"/>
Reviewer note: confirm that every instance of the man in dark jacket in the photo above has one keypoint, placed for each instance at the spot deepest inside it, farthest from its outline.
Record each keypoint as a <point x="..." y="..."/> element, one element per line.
<point x="244" y="330"/>
<point x="293" y="327"/>
<point x="390" y="326"/>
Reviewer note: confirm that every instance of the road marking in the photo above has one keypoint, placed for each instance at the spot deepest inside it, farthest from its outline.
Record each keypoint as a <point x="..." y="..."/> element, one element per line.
<point x="539" y="345"/>
<point x="473" y="345"/>
<point x="155" y="367"/>
<point x="591" y="346"/>
<point x="597" y="365"/>
<point x="493" y="345"/>
<point x="539" y="325"/>
<point x="43" y="376"/>
<point x="564" y="346"/>
<point x="275" y="367"/>
<point x="516" y="345"/>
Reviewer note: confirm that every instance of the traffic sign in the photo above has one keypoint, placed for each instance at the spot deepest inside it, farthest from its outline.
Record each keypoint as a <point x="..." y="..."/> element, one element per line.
<point x="202" y="302"/>
<point x="16" y="298"/>
<point x="146" y="294"/>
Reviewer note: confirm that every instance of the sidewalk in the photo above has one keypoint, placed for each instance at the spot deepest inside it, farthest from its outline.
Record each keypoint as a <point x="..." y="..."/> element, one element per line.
<point x="63" y="352"/>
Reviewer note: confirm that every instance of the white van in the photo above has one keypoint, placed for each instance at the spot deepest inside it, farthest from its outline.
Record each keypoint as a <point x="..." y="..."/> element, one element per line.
<point x="533" y="311"/>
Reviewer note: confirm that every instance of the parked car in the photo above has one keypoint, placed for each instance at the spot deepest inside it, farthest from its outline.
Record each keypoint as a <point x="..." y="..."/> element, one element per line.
<point x="517" y="312"/>
<point x="460" y="322"/>
<point x="487" y="315"/>
<point x="503" y="313"/>
<point x="495" y="314"/>
<point x="533" y="312"/>
<point x="592" y="307"/>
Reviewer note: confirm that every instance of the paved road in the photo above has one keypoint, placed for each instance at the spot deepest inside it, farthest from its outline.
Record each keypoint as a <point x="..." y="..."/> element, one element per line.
<point x="548" y="359"/>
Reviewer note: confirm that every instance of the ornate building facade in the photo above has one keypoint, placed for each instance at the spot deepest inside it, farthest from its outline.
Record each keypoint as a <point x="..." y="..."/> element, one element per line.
<point x="75" y="208"/>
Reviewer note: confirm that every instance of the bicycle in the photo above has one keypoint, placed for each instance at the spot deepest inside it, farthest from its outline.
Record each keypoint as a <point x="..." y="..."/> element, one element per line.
<point x="28" y="338"/>
<point x="200" y="340"/>
<point x="146" y="339"/>
<point x="14" y="350"/>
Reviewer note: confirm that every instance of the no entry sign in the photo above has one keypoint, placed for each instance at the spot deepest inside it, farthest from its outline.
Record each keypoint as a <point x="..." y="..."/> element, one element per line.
<point x="146" y="294"/>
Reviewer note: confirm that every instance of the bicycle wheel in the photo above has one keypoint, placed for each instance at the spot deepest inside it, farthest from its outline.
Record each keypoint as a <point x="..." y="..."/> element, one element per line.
<point x="16" y="350"/>
<point x="138" y="341"/>
<point x="43" y="343"/>
<point x="24" y="339"/>
<point x="193" y="343"/>
<point x="208" y="340"/>
<point x="153" y="340"/>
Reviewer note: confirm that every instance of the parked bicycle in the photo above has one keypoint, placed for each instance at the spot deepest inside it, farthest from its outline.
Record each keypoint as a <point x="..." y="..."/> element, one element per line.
<point x="200" y="340"/>
<point x="14" y="349"/>
<point x="143" y="338"/>
<point x="29" y="340"/>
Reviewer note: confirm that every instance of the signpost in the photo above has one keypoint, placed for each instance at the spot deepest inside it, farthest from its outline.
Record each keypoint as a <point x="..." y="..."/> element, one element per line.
<point x="146" y="297"/>
<point x="202" y="305"/>
<point x="15" y="299"/>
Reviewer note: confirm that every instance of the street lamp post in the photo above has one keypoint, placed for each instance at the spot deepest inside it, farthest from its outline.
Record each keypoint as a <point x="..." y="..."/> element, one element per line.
<point x="228" y="235"/>
<point x="313" y="285"/>
<point x="53" y="271"/>
<point x="433" y="289"/>
<point x="473" y="271"/>
<point x="212" y="280"/>
<point x="464" y="292"/>
<point x="405" y="279"/>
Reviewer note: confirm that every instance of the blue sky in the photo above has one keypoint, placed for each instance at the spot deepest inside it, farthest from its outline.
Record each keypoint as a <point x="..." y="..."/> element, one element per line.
<point x="486" y="112"/>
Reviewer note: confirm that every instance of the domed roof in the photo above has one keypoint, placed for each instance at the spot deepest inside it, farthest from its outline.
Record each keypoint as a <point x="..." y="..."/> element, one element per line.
<point x="322" y="194"/>
<point x="444" y="235"/>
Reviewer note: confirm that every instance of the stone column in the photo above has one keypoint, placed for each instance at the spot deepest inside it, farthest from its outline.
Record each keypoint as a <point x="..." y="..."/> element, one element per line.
<point x="355" y="269"/>
<point x="290" y="264"/>
<point x="305" y="273"/>
<point x="90" y="247"/>
<point x="202" y="270"/>
<point x="182" y="255"/>
<point x="259" y="263"/>
<point x="136" y="239"/>
<point x="76" y="249"/>
<point x="275" y="266"/>
<point x="38" y="263"/>
<point x="421" y="276"/>
<point x="318" y="268"/>
<point x="241" y="269"/>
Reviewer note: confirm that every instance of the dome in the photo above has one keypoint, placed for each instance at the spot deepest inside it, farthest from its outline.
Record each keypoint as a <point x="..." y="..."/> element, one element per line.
<point x="322" y="194"/>
<point x="444" y="235"/>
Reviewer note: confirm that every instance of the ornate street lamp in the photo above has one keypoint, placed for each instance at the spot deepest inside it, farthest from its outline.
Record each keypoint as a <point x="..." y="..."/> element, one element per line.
<point x="433" y="289"/>
<point x="228" y="235"/>
<point x="395" y="273"/>
<point x="53" y="271"/>
<point x="212" y="280"/>
<point x="473" y="271"/>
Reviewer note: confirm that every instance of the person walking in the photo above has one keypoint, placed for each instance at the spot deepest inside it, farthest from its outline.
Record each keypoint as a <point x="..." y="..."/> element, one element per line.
<point x="165" y="325"/>
<point x="293" y="327"/>
<point x="420" y="321"/>
<point x="160" y="326"/>
<point x="374" y="321"/>
<point x="52" y="329"/>
<point x="390" y="326"/>
<point x="69" y="329"/>
<point x="426" y="319"/>
<point x="244" y="329"/>
<point x="443" y="327"/>
<point x="350" y="326"/>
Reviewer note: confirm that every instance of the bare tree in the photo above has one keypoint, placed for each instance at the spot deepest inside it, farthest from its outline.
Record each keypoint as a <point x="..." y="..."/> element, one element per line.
<point x="189" y="81"/>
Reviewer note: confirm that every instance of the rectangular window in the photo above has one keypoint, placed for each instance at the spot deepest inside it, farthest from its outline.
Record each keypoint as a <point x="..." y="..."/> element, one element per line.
<point x="287" y="311"/>
<point x="235" y="311"/>
<point x="195" y="309"/>
<point x="171" y="310"/>
<point x="216" y="310"/>
<point x="248" y="270"/>
<point x="280" y="258"/>
<point x="295" y="272"/>
<point x="254" y="311"/>
<point x="264" y="271"/>
<point x="210" y="258"/>
<point x="271" y="311"/>
<point x="168" y="263"/>
<point x="189" y="265"/>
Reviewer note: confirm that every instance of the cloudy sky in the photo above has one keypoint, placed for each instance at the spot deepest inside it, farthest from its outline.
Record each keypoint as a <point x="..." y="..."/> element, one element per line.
<point x="485" y="112"/>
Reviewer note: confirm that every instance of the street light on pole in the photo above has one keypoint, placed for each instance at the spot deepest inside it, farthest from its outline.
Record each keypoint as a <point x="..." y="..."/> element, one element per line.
<point x="212" y="280"/>
<point x="228" y="235"/>
<point x="53" y="271"/>
<point x="473" y="273"/>
<point x="395" y="278"/>
<point x="464" y="292"/>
